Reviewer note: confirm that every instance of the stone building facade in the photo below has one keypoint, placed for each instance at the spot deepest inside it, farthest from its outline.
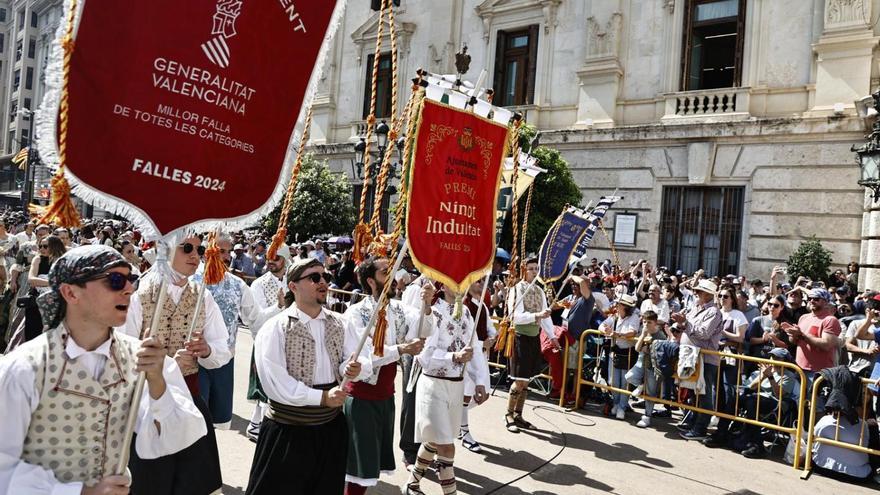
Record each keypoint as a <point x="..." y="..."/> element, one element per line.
<point x="726" y="124"/>
<point x="27" y="29"/>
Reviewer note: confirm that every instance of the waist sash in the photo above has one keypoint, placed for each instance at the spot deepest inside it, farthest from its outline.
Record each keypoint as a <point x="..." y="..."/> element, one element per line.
<point x="303" y="415"/>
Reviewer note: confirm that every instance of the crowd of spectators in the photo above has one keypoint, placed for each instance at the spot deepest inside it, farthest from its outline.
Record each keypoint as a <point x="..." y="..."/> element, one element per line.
<point x="644" y="313"/>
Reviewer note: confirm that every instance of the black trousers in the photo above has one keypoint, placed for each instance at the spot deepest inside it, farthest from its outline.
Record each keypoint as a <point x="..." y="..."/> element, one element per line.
<point x="300" y="460"/>
<point x="407" y="441"/>
<point x="194" y="470"/>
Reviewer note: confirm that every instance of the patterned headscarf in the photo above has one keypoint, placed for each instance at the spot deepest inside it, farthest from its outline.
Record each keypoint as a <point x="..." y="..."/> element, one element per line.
<point x="75" y="266"/>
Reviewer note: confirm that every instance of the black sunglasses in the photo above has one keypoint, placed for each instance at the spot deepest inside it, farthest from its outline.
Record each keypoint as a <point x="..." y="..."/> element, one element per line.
<point x="316" y="277"/>
<point x="116" y="280"/>
<point x="44" y="246"/>
<point x="776" y="305"/>
<point x="188" y="248"/>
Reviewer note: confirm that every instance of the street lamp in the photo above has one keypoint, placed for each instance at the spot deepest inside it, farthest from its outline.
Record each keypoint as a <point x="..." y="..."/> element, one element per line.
<point x="868" y="154"/>
<point x="360" y="150"/>
<point x="29" y="174"/>
<point x="382" y="131"/>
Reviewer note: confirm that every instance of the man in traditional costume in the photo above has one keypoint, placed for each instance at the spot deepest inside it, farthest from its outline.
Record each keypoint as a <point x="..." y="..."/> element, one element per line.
<point x="369" y="408"/>
<point x="407" y="442"/>
<point x="301" y="361"/>
<point x="486" y="334"/>
<point x="67" y="392"/>
<point x="268" y="292"/>
<point x="235" y="300"/>
<point x="195" y="470"/>
<point x="444" y="359"/>
<point x="529" y="314"/>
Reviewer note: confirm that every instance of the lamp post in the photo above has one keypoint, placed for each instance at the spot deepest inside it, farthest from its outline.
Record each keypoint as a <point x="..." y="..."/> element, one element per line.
<point x="361" y="148"/>
<point x="868" y="158"/>
<point x="29" y="175"/>
<point x="868" y="155"/>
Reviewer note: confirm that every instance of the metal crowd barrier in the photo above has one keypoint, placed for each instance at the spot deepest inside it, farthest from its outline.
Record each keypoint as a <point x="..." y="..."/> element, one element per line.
<point x="867" y="395"/>
<point x="777" y="425"/>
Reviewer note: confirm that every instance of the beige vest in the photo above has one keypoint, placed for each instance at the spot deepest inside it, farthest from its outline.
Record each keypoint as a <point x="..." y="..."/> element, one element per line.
<point x="533" y="299"/>
<point x="175" y="318"/>
<point x="299" y="347"/>
<point x="76" y="431"/>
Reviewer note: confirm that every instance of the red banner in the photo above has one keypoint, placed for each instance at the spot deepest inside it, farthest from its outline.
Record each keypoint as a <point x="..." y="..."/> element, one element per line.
<point x="454" y="190"/>
<point x="183" y="110"/>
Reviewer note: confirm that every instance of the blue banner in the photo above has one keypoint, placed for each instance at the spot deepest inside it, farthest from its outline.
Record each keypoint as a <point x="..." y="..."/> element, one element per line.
<point x="605" y="202"/>
<point x="561" y="240"/>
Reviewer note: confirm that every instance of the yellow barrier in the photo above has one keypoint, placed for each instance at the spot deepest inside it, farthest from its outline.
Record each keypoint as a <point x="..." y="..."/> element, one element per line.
<point x="794" y="430"/>
<point x="811" y="436"/>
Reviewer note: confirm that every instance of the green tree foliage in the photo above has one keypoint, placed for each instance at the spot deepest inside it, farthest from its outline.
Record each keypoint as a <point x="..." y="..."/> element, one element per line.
<point x="553" y="190"/>
<point x="322" y="204"/>
<point x="811" y="259"/>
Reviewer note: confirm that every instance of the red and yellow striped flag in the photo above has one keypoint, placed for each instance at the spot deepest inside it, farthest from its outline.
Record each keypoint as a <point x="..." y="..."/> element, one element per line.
<point x="21" y="158"/>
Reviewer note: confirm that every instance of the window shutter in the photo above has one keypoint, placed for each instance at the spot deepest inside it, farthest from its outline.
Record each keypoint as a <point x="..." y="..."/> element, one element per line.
<point x="532" y="65"/>
<point x="498" y="79"/>
<point x="368" y="85"/>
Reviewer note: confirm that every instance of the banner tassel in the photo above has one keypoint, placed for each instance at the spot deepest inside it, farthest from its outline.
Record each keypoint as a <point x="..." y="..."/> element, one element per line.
<point x="62" y="211"/>
<point x="511" y="343"/>
<point x="458" y="307"/>
<point x="503" y="330"/>
<point x="215" y="268"/>
<point x="379" y="334"/>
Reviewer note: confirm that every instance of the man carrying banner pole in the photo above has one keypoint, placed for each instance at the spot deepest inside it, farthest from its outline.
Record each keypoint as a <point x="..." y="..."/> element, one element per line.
<point x="208" y="348"/>
<point x="441" y="388"/>
<point x="529" y="315"/>
<point x="301" y="357"/>
<point x="369" y="408"/>
<point x="85" y="369"/>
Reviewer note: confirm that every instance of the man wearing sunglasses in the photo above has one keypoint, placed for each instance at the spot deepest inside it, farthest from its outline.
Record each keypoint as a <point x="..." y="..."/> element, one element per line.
<point x="235" y="300"/>
<point x="301" y="359"/>
<point x="369" y="408"/>
<point x="207" y="348"/>
<point x="815" y="334"/>
<point x="268" y="292"/>
<point x="73" y="384"/>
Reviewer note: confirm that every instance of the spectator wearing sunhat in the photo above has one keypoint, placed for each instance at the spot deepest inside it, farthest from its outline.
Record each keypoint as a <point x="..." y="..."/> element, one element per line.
<point x="816" y="333"/>
<point x="623" y="326"/>
<point x="701" y="327"/>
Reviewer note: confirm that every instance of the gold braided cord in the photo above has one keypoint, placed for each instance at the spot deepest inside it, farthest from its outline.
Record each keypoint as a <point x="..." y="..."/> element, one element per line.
<point x="62" y="211"/>
<point x="610" y="243"/>
<point x="399" y="214"/>
<point x="525" y="228"/>
<point x="394" y="75"/>
<point x="382" y="179"/>
<point x="371" y="118"/>
<point x="514" y="217"/>
<point x="403" y="195"/>
<point x="281" y="234"/>
<point x="396" y="124"/>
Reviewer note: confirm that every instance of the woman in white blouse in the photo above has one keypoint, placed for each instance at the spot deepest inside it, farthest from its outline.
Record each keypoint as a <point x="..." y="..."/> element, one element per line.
<point x="623" y="326"/>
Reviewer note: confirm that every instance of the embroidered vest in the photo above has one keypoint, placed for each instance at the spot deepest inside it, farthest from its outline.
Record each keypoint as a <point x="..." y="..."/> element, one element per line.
<point x="227" y="295"/>
<point x="175" y="318"/>
<point x="533" y="299"/>
<point x="299" y="347"/>
<point x="397" y="327"/>
<point x="76" y="431"/>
